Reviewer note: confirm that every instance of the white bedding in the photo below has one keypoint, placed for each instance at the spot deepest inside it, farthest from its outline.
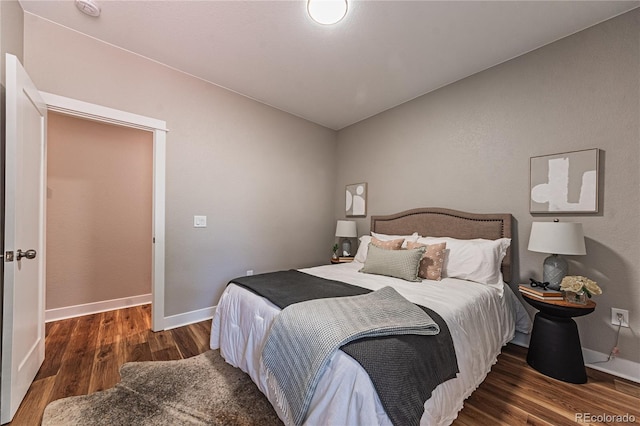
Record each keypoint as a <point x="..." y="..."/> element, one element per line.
<point x="480" y="321"/>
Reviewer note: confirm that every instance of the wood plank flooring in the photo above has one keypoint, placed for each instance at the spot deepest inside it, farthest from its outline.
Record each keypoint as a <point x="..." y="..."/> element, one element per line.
<point x="84" y="354"/>
<point x="515" y="394"/>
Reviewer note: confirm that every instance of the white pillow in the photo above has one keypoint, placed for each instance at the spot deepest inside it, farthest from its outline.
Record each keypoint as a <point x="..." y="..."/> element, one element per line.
<point x="475" y="260"/>
<point x="363" y="248"/>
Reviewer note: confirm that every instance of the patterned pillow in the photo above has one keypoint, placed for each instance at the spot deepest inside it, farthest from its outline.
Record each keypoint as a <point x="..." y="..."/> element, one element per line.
<point x="432" y="260"/>
<point x="387" y="245"/>
<point x="403" y="264"/>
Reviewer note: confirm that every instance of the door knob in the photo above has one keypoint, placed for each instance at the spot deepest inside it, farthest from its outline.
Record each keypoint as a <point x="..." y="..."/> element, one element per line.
<point x="29" y="254"/>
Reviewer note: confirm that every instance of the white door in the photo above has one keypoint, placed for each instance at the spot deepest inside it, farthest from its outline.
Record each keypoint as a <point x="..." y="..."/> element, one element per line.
<point x="23" y="301"/>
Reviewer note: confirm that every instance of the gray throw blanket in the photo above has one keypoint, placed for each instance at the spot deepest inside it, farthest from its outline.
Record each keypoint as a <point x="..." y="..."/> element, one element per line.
<point x="305" y="335"/>
<point x="404" y="369"/>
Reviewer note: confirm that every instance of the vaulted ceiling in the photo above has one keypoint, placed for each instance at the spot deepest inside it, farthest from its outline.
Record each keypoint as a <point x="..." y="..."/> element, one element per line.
<point x="382" y="54"/>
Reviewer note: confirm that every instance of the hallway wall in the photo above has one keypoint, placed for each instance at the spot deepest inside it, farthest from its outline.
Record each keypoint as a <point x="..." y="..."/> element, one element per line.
<point x="99" y="211"/>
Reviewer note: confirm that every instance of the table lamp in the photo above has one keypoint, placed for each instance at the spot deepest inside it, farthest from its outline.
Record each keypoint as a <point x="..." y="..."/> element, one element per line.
<point x="556" y="238"/>
<point x="346" y="229"/>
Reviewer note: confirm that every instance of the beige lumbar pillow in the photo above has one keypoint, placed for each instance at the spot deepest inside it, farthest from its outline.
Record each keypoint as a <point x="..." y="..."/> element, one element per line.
<point x="403" y="264"/>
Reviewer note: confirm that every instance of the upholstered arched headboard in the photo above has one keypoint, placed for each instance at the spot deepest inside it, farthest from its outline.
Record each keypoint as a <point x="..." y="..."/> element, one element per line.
<point x="438" y="222"/>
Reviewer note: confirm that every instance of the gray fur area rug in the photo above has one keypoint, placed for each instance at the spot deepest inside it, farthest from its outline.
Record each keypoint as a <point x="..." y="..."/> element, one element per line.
<point x="203" y="390"/>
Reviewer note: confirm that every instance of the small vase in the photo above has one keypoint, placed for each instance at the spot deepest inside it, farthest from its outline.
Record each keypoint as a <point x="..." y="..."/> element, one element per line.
<point x="578" y="298"/>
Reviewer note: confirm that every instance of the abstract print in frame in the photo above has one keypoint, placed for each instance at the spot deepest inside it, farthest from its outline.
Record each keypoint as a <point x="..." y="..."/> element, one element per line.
<point x="356" y="200"/>
<point x="565" y="183"/>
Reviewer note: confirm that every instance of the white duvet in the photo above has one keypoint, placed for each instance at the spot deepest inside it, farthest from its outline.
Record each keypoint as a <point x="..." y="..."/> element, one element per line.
<point x="480" y="321"/>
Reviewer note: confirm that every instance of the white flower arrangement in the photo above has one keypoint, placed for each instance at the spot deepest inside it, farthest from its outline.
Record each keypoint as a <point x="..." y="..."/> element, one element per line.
<point x="577" y="283"/>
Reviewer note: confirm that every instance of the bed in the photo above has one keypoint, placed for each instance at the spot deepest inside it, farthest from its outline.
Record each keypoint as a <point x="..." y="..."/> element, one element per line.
<point x="481" y="317"/>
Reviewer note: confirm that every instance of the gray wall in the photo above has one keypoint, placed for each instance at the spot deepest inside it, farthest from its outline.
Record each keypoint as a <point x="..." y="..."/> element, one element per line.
<point x="11" y="30"/>
<point x="467" y="146"/>
<point x="262" y="177"/>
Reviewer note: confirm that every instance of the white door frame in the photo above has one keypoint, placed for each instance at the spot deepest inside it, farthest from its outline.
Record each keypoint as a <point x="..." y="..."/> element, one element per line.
<point x="76" y="108"/>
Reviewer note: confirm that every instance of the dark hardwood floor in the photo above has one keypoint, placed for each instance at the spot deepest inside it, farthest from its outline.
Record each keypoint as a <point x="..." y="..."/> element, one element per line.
<point x="515" y="394"/>
<point x="84" y="354"/>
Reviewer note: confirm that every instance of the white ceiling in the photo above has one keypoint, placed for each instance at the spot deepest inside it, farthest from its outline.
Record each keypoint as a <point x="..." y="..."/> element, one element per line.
<point x="382" y="54"/>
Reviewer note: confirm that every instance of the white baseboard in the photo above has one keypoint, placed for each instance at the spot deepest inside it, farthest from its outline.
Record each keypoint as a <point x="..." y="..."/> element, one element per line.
<point x="95" y="307"/>
<point x="619" y="367"/>
<point x="187" y="318"/>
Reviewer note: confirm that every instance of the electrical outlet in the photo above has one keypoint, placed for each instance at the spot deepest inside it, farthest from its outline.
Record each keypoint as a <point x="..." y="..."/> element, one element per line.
<point x="625" y="317"/>
<point x="249" y="272"/>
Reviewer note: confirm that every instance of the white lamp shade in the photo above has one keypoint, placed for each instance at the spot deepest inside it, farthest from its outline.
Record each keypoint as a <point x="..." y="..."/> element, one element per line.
<point x="346" y="228"/>
<point x="557" y="238"/>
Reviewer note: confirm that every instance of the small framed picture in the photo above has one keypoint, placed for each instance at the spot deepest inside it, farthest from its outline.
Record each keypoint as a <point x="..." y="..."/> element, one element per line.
<point x="564" y="183"/>
<point x="356" y="200"/>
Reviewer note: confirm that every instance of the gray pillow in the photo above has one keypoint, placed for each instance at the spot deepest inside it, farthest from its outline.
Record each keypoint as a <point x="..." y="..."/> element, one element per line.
<point x="403" y="264"/>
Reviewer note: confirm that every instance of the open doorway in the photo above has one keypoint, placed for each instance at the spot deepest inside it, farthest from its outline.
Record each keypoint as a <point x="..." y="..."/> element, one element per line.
<point x="102" y="114"/>
<point x="99" y="216"/>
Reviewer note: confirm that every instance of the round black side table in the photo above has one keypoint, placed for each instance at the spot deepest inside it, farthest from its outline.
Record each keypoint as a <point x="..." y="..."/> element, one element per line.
<point x="554" y="348"/>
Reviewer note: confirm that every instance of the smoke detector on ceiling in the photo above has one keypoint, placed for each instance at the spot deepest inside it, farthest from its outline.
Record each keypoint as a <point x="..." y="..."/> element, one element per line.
<point x="88" y="7"/>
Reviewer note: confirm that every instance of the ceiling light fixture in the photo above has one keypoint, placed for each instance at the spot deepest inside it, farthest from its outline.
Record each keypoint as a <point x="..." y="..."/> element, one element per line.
<point x="88" y="7"/>
<point x="327" y="12"/>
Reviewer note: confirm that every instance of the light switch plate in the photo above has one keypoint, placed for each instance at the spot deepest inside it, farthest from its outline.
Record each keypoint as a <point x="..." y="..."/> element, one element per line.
<point x="199" y="221"/>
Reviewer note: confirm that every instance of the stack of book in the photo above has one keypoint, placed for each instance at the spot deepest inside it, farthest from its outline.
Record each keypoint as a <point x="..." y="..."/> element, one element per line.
<point x="344" y="259"/>
<point x="539" y="292"/>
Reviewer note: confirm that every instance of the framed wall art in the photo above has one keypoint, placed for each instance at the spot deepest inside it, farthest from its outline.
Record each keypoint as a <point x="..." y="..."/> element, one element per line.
<point x="356" y="200"/>
<point x="564" y="183"/>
